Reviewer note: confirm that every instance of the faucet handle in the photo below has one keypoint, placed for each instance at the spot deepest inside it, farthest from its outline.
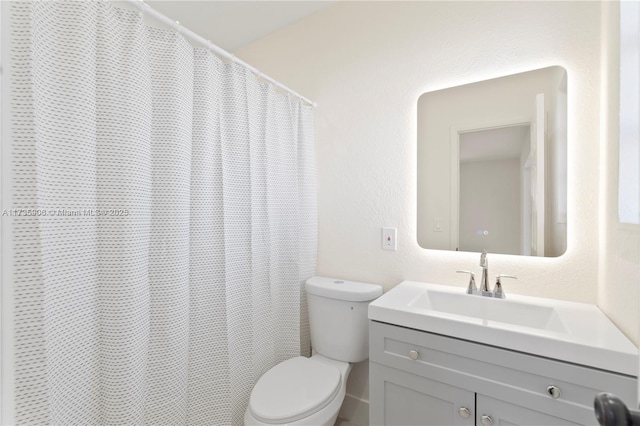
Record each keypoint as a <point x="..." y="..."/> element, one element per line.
<point x="497" y="290"/>
<point x="483" y="259"/>
<point x="471" y="289"/>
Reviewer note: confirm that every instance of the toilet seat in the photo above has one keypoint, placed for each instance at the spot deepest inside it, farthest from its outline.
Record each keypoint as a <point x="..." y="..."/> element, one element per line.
<point x="294" y="389"/>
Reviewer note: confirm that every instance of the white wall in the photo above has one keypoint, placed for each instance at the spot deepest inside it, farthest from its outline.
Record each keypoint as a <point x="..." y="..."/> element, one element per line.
<point x="619" y="272"/>
<point x="490" y="201"/>
<point x="367" y="63"/>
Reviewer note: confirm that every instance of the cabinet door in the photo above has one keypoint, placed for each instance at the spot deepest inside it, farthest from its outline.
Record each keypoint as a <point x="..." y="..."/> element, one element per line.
<point x="506" y="414"/>
<point x="399" y="398"/>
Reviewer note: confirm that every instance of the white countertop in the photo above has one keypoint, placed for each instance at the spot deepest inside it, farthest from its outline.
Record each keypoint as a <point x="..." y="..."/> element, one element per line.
<point x="574" y="332"/>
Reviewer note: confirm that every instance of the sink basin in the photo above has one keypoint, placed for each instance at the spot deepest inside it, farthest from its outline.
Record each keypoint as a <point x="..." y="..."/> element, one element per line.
<point x="490" y="310"/>
<point x="574" y="332"/>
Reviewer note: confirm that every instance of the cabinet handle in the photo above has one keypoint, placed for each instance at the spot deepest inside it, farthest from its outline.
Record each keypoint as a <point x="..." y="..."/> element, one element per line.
<point x="464" y="412"/>
<point x="486" y="420"/>
<point x="413" y="354"/>
<point x="553" y="391"/>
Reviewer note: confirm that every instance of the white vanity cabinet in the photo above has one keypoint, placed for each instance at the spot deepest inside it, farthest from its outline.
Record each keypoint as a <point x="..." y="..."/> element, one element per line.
<point x="421" y="378"/>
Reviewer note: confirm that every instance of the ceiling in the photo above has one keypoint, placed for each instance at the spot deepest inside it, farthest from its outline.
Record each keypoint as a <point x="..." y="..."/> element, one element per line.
<point x="494" y="144"/>
<point x="233" y="24"/>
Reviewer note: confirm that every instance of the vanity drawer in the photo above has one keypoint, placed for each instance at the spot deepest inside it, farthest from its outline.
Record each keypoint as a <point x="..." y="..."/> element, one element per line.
<point x="503" y="374"/>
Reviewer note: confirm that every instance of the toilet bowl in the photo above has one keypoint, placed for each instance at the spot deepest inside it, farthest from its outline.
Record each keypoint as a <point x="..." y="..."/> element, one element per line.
<point x="310" y="391"/>
<point x="299" y="391"/>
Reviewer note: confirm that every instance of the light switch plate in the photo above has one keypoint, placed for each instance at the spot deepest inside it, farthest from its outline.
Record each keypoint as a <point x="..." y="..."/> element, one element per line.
<point x="390" y="239"/>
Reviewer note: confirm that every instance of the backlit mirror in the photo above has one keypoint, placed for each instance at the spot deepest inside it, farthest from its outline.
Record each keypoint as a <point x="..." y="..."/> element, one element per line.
<point x="492" y="165"/>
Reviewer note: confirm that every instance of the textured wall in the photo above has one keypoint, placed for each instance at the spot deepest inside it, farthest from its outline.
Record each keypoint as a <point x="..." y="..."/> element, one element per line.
<point x="367" y="63"/>
<point x="619" y="273"/>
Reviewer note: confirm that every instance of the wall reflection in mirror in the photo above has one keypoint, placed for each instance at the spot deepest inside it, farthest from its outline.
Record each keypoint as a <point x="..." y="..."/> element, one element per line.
<point x="492" y="165"/>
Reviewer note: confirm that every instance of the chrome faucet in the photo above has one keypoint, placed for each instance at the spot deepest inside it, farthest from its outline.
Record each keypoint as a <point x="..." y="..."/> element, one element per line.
<point x="498" y="292"/>
<point x="471" y="289"/>
<point x="484" y="281"/>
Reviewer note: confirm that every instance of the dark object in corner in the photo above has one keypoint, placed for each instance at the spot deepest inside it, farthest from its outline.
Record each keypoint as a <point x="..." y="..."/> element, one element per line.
<point x="611" y="411"/>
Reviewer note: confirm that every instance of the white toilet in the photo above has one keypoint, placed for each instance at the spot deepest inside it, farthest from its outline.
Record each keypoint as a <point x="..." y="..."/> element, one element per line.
<point x="310" y="391"/>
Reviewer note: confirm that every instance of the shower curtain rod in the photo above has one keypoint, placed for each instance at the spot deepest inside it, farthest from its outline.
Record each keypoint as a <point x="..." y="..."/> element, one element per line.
<point x="145" y="8"/>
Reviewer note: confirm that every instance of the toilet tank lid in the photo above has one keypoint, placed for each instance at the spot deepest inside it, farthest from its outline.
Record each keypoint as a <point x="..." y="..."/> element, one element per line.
<point x="351" y="291"/>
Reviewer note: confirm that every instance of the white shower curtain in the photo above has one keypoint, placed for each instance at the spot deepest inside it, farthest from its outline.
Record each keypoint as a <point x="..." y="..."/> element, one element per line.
<point x="174" y="222"/>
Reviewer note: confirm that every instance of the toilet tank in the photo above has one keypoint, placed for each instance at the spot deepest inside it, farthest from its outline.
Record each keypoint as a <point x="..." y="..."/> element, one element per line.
<point x="338" y="317"/>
